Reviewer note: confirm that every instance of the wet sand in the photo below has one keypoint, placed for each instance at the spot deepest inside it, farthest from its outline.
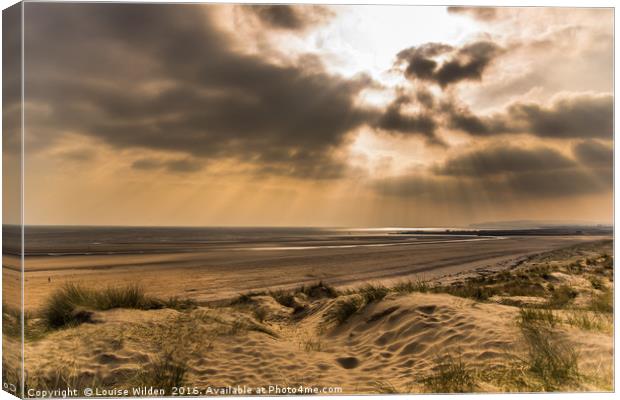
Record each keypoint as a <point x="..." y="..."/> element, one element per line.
<point x="223" y="271"/>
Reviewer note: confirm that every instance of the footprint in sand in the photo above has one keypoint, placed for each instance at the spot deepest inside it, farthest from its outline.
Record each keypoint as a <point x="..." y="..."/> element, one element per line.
<point x="348" y="362"/>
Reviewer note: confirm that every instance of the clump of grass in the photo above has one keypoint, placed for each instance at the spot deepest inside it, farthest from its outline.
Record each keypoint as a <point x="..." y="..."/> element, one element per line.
<point x="72" y="304"/>
<point x="11" y="379"/>
<point x="383" y="387"/>
<point x="521" y="288"/>
<point x="412" y="286"/>
<point x="344" y="309"/>
<point x="11" y="321"/>
<point x="372" y="293"/>
<point x="314" y="291"/>
<point x="602" y="302"/>
<point x="284" y="298"/>
<point x="469" y="289"/>
<point x="260" y="314"/>
<point x="451" y="376"/>
<point x="534" y="315"/>
<point x="163" y="372"/>
<point x="562" y="296"/>
<point x="177" y="303"/>
<point x="311" y="345"/>
<point x="597" y="283"/>
<point x="245" y="298"/>
<point x="587" y="321"/>
<point x="131" y="296"/>
<point x="575" y="267"/>
<point x="60" y="308"/>
<point x="62" y="377"/>
<point x="550" y="359"/>
<point x="319" y="290"/>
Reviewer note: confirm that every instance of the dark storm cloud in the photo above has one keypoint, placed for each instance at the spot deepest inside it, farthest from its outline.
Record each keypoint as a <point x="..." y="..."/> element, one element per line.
<point x="505" y="159"/>
<point x="282" y="16"/>
<point x="501" y="173"/>
<point x="425" y="98"/>
<point x="578" y="116"/>
<point x="461" y="118"/>
<point x="594" y="154"/>
<point x="393" y="119"/>
<point x="529" y="185"/>
<point x="162" y="77"/>
<point x="464" y="63"/>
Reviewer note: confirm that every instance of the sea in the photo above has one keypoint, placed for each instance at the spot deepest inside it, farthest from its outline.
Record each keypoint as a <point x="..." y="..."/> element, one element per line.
<point x="81" y="240"/>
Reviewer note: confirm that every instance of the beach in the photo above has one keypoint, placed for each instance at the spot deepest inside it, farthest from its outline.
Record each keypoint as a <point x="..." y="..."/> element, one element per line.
<point x="485" y="322"/>
<point x="219" y="264"/>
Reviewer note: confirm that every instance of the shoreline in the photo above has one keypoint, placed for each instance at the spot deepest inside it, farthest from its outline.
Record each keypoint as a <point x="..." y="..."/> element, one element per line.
<point x="219" y="275"/>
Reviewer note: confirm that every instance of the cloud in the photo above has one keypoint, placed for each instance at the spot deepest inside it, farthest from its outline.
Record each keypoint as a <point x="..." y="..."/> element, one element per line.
<point x="125" y="79"/>
<point x="291" y="17"/>
<point x="425" y="98"/>
<point x="11" y="81"/>
<point x="594" y="154"/>
<point x="479" y="13"/>
<point x="529" y="185"/>
<point x="500" y="173"/>
<point x="557" y="183"/>
<point x="183" y="165"/>
<point x="458" y="64"/>
<point x="394" y="120"/>
<point x="504" y="159"/>
<point x="584" y="115"/>
<point x="417" y="185"/>
<point x="567" y="116"/>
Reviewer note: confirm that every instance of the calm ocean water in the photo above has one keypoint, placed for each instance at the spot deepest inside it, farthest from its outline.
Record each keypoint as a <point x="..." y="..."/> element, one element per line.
<point x="64" y="240"/>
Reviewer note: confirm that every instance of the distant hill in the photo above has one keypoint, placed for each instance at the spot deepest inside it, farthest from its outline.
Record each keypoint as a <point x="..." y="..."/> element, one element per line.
<point x="532" y="224"/>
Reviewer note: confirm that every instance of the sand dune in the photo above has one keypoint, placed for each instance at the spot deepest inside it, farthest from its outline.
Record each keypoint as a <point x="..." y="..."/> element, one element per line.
<point x="398" y="342"/>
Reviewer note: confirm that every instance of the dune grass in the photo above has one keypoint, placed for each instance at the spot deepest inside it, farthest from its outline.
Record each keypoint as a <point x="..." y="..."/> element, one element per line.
<point x="451" y="375"/>
<point x="319" y="290"/>
<point x="469" y="289"/>
<point x="372" y="293"/>
<point x="384" y="387"/>
<point x="11" y="321"/>
<point x="163" y="372"/>
<point x="286" y="297"/>
<point x="589" y="321"/>
<point x="353" y="302"/>
<point x="260" y="314"/>
<point x="11" y="378"/>
<point x="549" y="358"/>
<point x="283" y="297"/>
<point x="409" y="286"/>
<point x="537" y="315"/>
<point x="602" y="302"/>
<point x="344" y="309"/>
<point x="597" y="283"/>
<point x="562" y="296"/>
<point x="73" y="304"/>
<point x="62" y="377"/>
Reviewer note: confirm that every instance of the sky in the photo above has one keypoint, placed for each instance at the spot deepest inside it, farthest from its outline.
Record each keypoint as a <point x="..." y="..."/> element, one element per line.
<point x="306" y="115"/>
